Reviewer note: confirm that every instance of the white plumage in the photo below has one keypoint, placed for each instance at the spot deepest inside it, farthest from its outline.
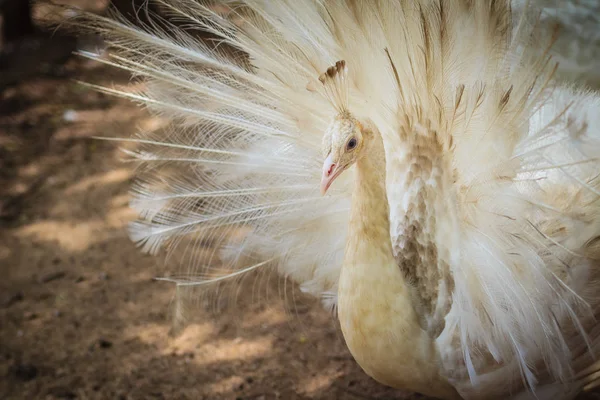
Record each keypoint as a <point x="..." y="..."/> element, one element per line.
<point x="492" y="171"/>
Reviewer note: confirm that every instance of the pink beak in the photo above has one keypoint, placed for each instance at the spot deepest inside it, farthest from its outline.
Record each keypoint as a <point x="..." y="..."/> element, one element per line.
<point x="330" y="172"/>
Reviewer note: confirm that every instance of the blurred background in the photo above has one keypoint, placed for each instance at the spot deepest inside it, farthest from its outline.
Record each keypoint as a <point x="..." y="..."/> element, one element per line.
<point x="81" y="316"/>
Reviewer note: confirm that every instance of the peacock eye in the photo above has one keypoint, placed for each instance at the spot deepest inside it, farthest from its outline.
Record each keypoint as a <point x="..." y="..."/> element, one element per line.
<point x="351" y="144"/>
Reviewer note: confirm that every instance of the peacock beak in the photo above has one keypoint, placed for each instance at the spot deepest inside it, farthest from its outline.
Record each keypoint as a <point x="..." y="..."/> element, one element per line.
<point x="331" y="170"/>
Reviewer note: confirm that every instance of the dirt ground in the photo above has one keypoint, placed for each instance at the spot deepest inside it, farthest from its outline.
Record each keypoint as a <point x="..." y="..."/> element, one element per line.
<point x="81" y="316"/>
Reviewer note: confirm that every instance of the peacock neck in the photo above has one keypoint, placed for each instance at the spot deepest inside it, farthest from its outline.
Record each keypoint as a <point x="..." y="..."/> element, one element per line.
<point x="369" y="216"/>
<point x="375" y="309"/>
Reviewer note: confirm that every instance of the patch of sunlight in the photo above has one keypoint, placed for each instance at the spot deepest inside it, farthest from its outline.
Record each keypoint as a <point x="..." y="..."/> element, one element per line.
<point x="148" y="274"/>
<point x="226" y="385"/>
<point x="321" y="381"/>
<point x="30" y="170"/>
<point x="69" y="235"/>
<point x="120" y="200"/>
<point x="158" y="335"/>
<point x="269" y="316"/>
<point x="191" y="337"/>
<point x="199" y="338"/>
<point x="77" y="236"/>
<point x="202" y="340"/>
<point x="114" y="176"/>
<point x="218" y="351"/>
<point x="120" y="217"/>
<point x="152" y="123"/>
<point x="89" y="120"/>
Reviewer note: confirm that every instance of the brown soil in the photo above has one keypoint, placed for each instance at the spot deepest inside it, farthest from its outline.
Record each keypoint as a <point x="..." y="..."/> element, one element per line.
<point x="81" y="316"/>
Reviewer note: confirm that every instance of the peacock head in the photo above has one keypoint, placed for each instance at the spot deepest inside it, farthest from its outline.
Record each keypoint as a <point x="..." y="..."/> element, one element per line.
<point x="342" y="146"/>
<point x="343" y="139"/>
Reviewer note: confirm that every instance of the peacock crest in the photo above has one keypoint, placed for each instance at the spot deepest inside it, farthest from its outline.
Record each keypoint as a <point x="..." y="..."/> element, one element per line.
<point x="334" y="86"/>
